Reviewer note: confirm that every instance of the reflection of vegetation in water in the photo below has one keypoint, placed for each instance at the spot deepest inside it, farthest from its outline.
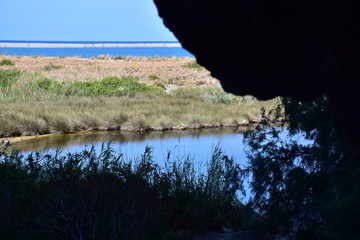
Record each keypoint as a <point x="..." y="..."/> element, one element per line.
<point x="62" y="141"/>
<point x="311" y="191"/>
<point x="89" y="196"/>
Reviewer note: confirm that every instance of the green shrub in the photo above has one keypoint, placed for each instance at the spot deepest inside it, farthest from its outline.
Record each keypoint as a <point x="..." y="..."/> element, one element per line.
<point x="160" y="85"/>
<point x="218" y="95"/>
<point x="193" y="64"/>
<point x="118" y="57"/>
<point x="153" y="77"/>
<point x="128" y="85"/>
<point x="52" y="67"/>
<point x="8" y="77"/>
<point x="110" y="86"/>
<point x="6" y="62"/>
<point x="48" y="84"/>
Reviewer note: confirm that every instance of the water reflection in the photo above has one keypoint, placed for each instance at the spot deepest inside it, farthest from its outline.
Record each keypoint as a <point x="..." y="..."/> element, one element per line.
<point x="70" y="141"/>
<point x="198" y="145"/>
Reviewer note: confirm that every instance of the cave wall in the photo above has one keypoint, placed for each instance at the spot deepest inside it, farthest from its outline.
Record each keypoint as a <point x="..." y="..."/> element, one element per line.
<point x="299" y="49"/>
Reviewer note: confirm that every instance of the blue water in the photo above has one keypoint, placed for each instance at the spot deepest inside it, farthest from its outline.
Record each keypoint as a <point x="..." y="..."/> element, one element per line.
<point x="93" y="52"/>
<point x="83" y="42"/>
<point x="198" y="145"/>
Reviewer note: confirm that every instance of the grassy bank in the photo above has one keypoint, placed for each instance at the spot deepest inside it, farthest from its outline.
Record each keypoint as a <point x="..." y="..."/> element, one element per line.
<point x="33" y="104"/>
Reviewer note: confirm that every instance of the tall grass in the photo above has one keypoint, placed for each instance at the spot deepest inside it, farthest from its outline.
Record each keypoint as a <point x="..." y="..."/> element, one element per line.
<point x="8" y="77"/>
<point x="91" y="195"/>
<point x="32" y="104"/>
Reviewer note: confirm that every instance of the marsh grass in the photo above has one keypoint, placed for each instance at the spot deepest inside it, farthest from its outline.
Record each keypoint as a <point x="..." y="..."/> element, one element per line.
<point x="32" y="104"/>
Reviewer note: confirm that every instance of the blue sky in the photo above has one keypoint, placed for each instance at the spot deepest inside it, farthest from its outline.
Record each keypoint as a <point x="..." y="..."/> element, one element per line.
<point x="82" y="20"/>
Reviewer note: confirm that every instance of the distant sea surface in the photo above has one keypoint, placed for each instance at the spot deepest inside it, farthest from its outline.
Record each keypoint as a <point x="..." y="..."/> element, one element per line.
<point x="94" y="51"/>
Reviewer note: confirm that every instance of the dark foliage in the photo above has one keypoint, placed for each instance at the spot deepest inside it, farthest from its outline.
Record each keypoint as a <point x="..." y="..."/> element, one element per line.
<point x="307" y="190"/>
<point x="101" y="196"/>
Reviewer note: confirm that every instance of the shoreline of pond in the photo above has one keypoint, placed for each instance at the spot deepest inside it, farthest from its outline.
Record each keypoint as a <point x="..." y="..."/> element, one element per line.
<point x="179" y="128"/>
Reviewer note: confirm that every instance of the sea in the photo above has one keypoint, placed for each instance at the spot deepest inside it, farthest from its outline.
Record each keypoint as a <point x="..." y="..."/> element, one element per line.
<point x="88" y="52"/>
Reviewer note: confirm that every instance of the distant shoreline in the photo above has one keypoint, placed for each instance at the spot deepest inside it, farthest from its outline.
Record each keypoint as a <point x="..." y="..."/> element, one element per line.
<point x="38" y="44"/>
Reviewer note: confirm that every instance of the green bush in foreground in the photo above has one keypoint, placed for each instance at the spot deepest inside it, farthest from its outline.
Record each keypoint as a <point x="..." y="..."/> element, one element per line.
<point x="103" y="196"/>
<point x="6" y="62"/>
<point x="110" y="86"/>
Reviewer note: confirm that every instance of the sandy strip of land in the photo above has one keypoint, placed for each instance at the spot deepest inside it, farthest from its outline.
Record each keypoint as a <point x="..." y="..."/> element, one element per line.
<point x="170" y="70"/>
<point x="78" y="45"/>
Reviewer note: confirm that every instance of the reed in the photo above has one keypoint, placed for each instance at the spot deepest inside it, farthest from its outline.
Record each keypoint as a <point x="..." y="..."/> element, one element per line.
<point x="104" y="195"/>
<point x="33" y="104"/>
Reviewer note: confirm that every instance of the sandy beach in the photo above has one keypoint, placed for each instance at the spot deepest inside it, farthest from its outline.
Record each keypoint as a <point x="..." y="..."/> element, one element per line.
<point x="85" y="45"/>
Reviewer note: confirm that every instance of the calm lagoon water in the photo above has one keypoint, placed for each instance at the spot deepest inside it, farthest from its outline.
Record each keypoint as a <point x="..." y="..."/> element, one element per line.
<point x="197" y="144"/>
<point x="93" y="52"/>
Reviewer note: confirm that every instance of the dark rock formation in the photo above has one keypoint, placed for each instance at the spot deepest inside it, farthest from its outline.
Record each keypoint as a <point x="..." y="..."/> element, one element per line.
<point x="301" y="49"/>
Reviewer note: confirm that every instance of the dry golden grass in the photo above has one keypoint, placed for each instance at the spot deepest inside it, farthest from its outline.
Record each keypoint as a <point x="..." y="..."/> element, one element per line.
<point x="170" y="69"/>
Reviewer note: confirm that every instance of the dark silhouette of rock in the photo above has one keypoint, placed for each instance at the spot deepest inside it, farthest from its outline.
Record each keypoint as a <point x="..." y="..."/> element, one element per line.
<point x="299" y="49"/>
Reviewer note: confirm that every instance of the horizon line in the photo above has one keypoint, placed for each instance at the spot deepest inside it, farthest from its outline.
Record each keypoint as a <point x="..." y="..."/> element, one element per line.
<point x="83" y="42"/>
